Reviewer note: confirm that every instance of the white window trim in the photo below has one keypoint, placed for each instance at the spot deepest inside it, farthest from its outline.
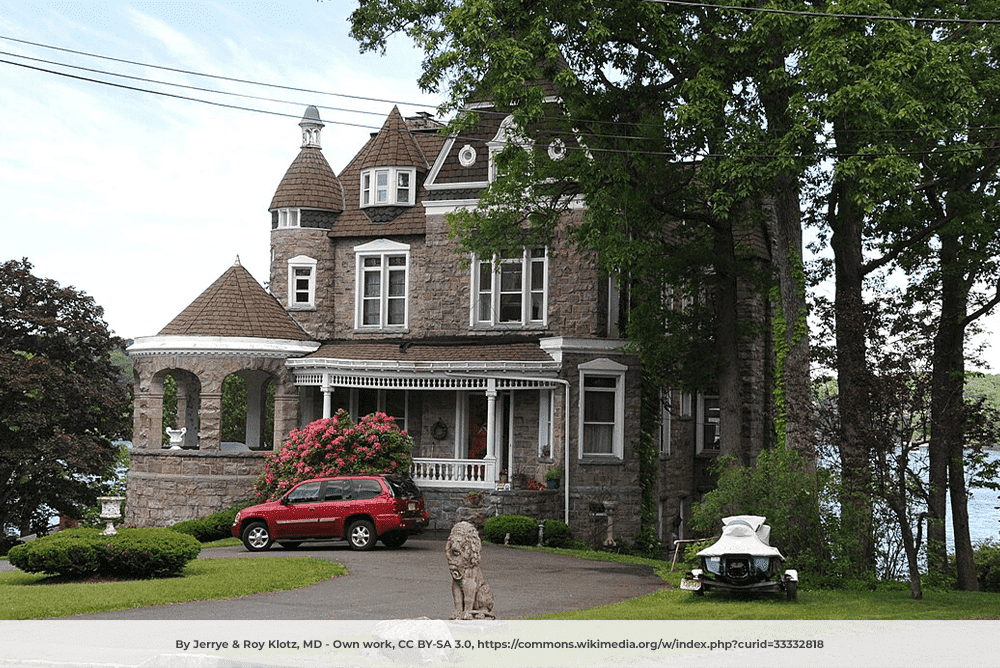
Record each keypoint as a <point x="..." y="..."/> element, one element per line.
<point x="545" y="420"/>
<point x="494" y="322"/>
<point x="289" y="218"/>
<point x="383" y="248"/>
<point x="699" y="425"/>
<point x="301" y="262"/>
<point x="380" y="401"/>
<point x="609" y="369"/>
<point x="392" y="176"/>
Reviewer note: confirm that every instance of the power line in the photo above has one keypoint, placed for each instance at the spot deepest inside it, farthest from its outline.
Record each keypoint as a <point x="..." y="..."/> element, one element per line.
<point x="817" y="15"/>
<point x="213" y="76"/>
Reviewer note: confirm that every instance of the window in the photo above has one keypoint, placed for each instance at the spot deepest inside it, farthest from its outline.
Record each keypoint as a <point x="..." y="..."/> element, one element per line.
<point x="288" y="218"/>
<point x="602" y="408"/>
<point x="302" y="283"/>
<point x="382" y="268"/>
<point x="707" y="420"/>
<point x="545" y="407"/>
<point x="367" y="400"/>
<point x="387" y="185"/>
<point x="666" y="421"/>
<point x="512" y="292"/>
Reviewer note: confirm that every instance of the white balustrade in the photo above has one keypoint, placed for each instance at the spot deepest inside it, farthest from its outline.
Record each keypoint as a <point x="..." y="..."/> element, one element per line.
<point x="461" y="473"/>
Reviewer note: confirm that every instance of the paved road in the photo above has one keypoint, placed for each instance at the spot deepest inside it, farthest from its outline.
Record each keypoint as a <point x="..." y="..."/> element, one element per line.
<point x="413" y="581"/>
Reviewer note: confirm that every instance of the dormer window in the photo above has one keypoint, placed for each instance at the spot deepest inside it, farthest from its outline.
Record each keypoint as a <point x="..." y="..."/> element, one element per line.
<point x="385" y="186"/>
<point x="288" y="218"/>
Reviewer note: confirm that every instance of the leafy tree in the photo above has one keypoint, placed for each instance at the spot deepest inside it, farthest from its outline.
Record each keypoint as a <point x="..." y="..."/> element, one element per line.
<point x="336" y="446"/>
<point x="62" y="399"/>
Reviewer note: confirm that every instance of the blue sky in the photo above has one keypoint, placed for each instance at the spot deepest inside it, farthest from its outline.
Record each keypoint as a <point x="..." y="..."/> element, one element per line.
<point x="142" y="200"/>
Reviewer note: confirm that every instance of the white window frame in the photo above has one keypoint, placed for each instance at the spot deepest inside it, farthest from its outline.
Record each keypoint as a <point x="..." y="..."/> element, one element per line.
<point x="381" y="186"/>
<point x="383" y="250"/>
<point x="295" y="264"/>
<point x="545" y="422"/>
<point x="401" y="420"/>
<point x="603" y="368"/>
<point x="485" y="310"/>
<point x="704" y="417"/>
<point x="666" y="422"/>
<point x="289" y="218"/>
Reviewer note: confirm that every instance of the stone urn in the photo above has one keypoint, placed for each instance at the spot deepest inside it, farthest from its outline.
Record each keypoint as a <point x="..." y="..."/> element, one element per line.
<point x="111" y="509"/>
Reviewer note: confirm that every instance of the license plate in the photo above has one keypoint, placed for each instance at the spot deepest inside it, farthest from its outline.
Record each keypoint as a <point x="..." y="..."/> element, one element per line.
<point x="411" y="505"/>
<point x="690" y="585"/>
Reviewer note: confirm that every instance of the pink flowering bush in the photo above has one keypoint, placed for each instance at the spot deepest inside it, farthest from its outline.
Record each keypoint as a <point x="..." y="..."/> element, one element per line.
<point x="336" y="446"/>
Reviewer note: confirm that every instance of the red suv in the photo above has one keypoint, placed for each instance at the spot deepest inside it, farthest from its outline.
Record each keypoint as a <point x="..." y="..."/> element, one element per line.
<point x="360" y="509"/>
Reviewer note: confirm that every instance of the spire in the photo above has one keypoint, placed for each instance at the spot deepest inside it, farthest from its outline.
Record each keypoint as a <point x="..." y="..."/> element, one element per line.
<point x="311" y="125"/>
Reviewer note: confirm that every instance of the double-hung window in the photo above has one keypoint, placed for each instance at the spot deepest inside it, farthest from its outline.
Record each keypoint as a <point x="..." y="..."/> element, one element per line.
<point x="512" y="291"/>
<point x="382" y="285"/>
<point x="382" y="186"/>
<point x="302" y="283"/>
<point x="602" y="409"/>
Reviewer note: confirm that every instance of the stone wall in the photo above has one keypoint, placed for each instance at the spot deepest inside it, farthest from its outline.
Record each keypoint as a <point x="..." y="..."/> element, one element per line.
<point x="446" y="506"/>
<point x="169" y="486"/>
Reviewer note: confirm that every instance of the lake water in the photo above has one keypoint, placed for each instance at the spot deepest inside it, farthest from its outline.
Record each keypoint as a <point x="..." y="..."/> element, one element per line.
<point x="984" y="518"/>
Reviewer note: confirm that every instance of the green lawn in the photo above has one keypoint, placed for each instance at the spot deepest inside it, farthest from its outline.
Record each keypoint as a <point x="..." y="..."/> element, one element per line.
<point x="28" y="596"/>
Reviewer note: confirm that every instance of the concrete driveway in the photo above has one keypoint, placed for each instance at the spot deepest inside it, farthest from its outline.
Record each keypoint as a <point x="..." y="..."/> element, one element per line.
<point x="413" y="581"/>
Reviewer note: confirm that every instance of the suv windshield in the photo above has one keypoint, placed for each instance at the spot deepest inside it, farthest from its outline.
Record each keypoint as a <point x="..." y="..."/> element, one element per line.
<point x="402" y="488"/>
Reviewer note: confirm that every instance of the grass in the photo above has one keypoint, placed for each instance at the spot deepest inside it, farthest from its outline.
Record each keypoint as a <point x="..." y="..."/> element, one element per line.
<point x="32" y="596"/>
<point x="891" y="602"/>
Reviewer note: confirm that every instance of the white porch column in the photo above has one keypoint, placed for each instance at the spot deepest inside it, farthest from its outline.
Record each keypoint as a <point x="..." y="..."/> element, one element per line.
<point x="491" y="419"/>
<point x="327" y="397"/>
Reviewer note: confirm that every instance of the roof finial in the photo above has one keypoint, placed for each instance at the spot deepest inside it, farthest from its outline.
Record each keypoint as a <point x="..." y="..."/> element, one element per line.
<point x="311" y="125"/>
<point x="237" y="263"/>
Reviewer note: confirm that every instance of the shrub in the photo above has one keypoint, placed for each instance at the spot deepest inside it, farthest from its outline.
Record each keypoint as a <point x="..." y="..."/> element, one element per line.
<point x="557" y="534"/>
<point x="691" y="559"/>
<point x="522" y="529"/>
<point x="336" y="446"/>
<point x="213" y="527"/>
<point x="987" y="558"/>
<point x="131" y="553"/>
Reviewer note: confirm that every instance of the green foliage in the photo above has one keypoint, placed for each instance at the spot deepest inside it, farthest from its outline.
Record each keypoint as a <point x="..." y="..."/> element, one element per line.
<point x="782" y="488"/>
<point x="691" y="559"/>
<point x="213" y="527"/>
<point x="63" y="401"/>
<point x="8" y="542"/>
<point x="522" y="529"/>
<point x="987" y="557"/>
<point x="557" y="534"/>
<point x="131" y="553"/>
<point x="336" y="446"/>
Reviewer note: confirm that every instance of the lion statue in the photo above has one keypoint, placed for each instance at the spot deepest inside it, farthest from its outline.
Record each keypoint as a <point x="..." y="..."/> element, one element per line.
<point x="473" y="597"/>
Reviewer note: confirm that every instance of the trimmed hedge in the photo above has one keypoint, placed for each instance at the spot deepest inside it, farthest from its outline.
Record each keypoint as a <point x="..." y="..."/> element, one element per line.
<point x="213" y="527"/>
<point x="557" y="534"/>
<point x="131" y="553"/>
<point x="522" y="529"/>
<point x="8" y="542"/>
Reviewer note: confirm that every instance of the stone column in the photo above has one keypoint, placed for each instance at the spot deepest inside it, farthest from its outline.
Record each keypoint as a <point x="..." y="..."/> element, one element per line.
<point x="210" y="435"/>
<point x="286" y="409"/>
<point x="256" y="397"/>
<point x="148" y="421"/>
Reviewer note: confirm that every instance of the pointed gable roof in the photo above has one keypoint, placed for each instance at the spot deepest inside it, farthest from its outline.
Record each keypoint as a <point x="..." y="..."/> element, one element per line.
<point x="236" y="305"/>
<point x="393" y="146"/>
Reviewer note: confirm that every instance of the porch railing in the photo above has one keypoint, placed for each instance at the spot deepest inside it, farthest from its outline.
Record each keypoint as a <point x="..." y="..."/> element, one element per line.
<point x="464" y="473"/>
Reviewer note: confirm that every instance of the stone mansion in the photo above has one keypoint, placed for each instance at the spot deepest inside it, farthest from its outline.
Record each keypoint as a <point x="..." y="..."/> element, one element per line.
<point x="500" y="369"/>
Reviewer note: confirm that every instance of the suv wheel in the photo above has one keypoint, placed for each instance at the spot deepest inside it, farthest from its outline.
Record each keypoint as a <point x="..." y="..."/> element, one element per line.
<point x="256" y="537"/>
<point x="394" y="539"/>
<point x="361" y="535"/>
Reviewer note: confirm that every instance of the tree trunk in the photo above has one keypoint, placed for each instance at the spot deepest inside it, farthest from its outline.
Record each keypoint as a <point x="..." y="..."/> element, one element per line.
<point x="731" y="440"/>
<point x="948" y="419"/>
<point x="846" y="220"/>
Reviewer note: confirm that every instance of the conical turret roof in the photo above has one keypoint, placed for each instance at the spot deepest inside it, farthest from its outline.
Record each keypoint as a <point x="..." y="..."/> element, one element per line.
<point x="309" y="182"/>
<point x="236" y="305"/>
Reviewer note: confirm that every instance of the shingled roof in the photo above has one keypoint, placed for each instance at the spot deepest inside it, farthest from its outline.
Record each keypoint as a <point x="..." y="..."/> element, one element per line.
<point x="236" y="305"/>
<point x="394" y="146"/>
<point x="309" y="183"/>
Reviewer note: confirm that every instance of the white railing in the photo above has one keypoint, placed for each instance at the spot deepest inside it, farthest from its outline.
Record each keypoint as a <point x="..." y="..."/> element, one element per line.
<point x="463" y="473"/>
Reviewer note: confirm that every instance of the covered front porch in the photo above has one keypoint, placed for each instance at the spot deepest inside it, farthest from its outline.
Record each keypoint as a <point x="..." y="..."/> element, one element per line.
<point x="477" y="419"/>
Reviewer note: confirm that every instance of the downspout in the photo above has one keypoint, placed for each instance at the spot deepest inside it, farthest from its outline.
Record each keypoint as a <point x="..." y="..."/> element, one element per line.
<point x="565" y="384"/>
